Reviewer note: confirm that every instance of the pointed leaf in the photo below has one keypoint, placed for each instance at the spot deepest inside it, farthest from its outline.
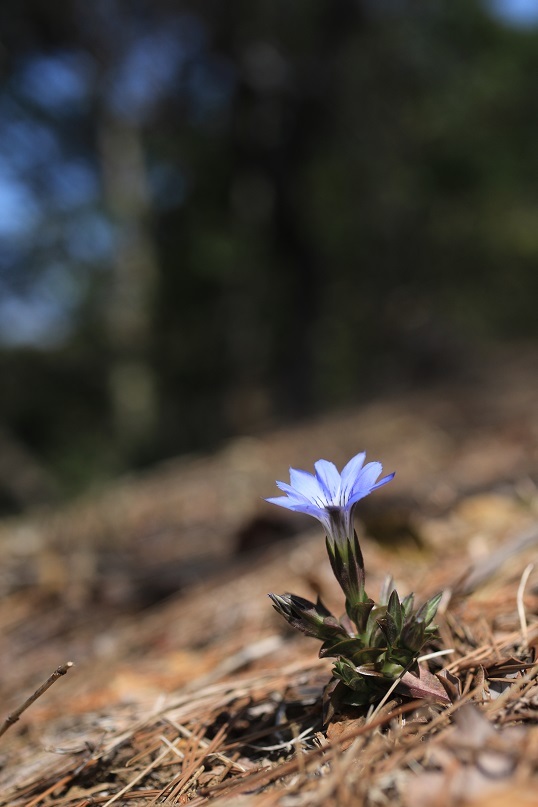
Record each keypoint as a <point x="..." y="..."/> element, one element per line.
<point x="431" y="607"/>
<point x="412" y="635"/>
<point x="372" y="627"/>
<point x="369" y="655"/>
<point x="389" y="628"/>
<point x="348" y="568"/>
<point x="407" y="604"/>
<point x="427" y="611"/>
<point x="321" y="608"/>
<point x="394" y="608"/>
<point x="304" y="616"/>
<point x="344" y="647"/>
<point x="360" y="613"/>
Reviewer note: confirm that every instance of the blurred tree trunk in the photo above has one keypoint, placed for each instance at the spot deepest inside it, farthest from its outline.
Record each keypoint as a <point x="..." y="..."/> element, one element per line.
<point x="132" y="289"/>
<point x="277" y="127"/>
<point x="24" y="481"/>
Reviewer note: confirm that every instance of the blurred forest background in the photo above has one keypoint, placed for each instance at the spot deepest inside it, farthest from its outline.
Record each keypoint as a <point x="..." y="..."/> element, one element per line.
<point x="218" y="216"/>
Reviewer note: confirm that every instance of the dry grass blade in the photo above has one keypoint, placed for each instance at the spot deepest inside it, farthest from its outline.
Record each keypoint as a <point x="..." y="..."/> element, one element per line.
<point x="156" y="762"/>
<point x="521" y="605"/>
<point x="193" y="769"/>
<point x="204" y="743"/>
<point x="264" y="777"/>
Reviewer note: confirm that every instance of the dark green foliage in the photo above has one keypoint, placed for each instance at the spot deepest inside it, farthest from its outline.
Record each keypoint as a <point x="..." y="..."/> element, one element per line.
<point x="311" y="619"/>
<point x="348" y="568"/>
<point x="386" y="644"/>
<point x="386" y="639"/>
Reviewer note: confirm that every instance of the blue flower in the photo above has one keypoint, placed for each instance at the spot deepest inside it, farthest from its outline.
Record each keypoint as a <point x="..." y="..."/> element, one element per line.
<point x="330" y="496"/>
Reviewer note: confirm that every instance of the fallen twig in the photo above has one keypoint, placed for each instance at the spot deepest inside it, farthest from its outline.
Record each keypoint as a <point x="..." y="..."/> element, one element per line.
<point x="14" y="716"/>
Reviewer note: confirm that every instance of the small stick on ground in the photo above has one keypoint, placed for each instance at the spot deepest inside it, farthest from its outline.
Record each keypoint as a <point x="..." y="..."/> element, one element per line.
<point x="14" y="716"/>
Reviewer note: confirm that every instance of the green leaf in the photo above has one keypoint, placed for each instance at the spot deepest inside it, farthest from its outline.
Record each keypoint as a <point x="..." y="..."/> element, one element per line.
<point x="431" y="608"/>
<point x="394" y="608"/>
<point x="348" y="567"/>
<point x="407" y="604"/>
<point x="413" y="635"/>
<point x="346" y="648"/>
<point x="360" y="613"/>
<point x="377" y="612"/>
<point x="314" y="620"/>
<point x="389" y="628"/>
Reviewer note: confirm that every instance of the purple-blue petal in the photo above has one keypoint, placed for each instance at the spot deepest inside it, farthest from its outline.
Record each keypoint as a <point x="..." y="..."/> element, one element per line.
<point x="300" y="507"/>
<point x="350" y="473"/>
<point x="367" y="481"/>
<point x="311" y="510"/>
<point x="328" y="477"/>
<point x="329" y="497"/>
<point x="282" y="501"/>
<point x="384" y="480"/>
<point x="292" y="492"/>
<point x="307" y="485"/>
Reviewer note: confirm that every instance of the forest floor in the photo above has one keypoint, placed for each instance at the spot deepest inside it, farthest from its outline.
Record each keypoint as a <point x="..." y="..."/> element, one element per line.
<point x="187" y="688"/>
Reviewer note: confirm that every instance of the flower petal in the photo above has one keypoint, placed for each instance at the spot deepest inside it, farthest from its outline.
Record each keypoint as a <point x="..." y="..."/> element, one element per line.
<point x="365" y="481"/>
<point x="384" y="480"/>
<point x="282" y="501"/>
<point x="311" y="510"/>
<point x="329" y="479"/>
<point x="301" y="507"/>
<point x="292" y="493"/>
<point x="350" y="473"/>
<point x="329" y="496"/>
<point x="307" y="485"/>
